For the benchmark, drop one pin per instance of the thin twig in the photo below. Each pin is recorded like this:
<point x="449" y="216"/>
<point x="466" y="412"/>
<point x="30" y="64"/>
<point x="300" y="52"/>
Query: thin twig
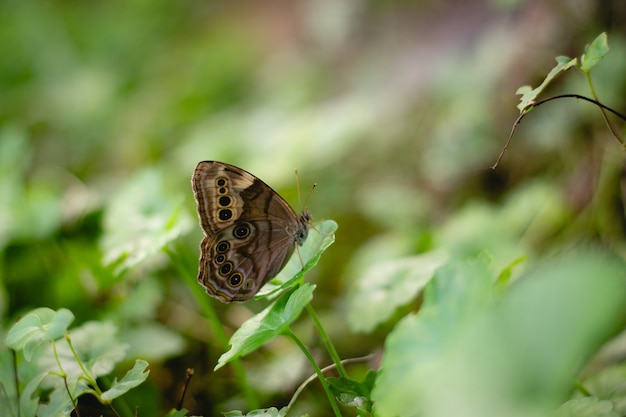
<point x="74" y="404"/>
<point x="188" y="376"/>
<point x="540" y="102"/>
<point x="113" y="410"/>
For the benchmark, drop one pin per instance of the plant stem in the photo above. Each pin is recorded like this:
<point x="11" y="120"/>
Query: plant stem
<point x="327" y="342"/>
<point x="318" y="371"/>
<point x="85" y="374"/>
<point x="63" y="373"/>
<point x="240" y="373"/>
<point x="604" y="116"/>
<point x="57" y="359"/>
<point x="295" y="395"/>
<point x="582" y="389"/>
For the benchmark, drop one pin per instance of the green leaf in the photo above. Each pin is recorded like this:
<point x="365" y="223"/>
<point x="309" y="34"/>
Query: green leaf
<point x="177" y="413"/>
<point x="458" y="291"/>
<point x="59" y="404"/>
<point x="31" y="207"/>
<point x="594" y="53"/>
<point x="153" y="341"/>
<point x="468" y="355"/>
<point x="59" y="324"/>
<point x="96" y="345"/>
<point x="29" y="400"/>
<point x="354" y="393"/>
<point x="507" y="272"/>
<point x="321" y="236"/>
<point x="30" y="328"/>
<point x="38" y="328"/>
<point x="529" y="95"/>
<point x="535" y="208"/>
<point x="387" y="286"/>
<point x="140" y="220"/>
<point x="133" y="378"/>
<point x="268" y="324"/>
<point x="265" y="412"/>
<point x="142" y="303"/>
<point x="608" y="382"/>
<point x="588" y="407"/>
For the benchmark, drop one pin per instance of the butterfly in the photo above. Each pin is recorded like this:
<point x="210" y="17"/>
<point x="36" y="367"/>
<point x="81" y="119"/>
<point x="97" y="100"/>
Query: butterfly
<point x="250" y="231"/>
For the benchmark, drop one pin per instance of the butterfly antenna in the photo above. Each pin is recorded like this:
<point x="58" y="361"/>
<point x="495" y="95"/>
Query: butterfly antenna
<point x="308" y="196"/>
<point x="298" y="187"/>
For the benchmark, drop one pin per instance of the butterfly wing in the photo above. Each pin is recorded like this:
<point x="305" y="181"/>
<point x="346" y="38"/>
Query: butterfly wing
<point x="250" y="231"/>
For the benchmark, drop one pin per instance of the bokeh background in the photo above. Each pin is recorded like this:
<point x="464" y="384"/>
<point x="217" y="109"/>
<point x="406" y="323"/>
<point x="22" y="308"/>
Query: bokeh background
<point x="396" y="109"/>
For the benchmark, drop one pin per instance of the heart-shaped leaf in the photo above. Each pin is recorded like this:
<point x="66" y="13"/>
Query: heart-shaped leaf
<point x="38" y="328"/>
<point x="268" y="324"/>
<point x="133" y="378"/>
<point x="473" y="351"/>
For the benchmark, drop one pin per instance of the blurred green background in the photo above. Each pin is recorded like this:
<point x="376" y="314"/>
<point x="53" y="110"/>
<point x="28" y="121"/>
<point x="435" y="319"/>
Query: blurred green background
<point x="396" y="109"/>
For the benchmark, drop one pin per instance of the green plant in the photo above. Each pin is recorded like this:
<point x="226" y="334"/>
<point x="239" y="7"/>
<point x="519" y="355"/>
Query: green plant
<point x="594" y="53"/>
<point x="292" y="296"/>
<point x="475" y="321"/>
<point x="65" y="364"/>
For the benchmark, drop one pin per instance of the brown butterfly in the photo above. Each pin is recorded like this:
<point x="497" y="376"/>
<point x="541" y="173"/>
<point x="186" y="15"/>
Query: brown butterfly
<point x="250" y="231"/>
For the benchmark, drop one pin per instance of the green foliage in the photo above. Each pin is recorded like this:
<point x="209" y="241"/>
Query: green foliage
<point x="588" y="407"/>
<point x="30" y="209"/>
<point x="133" y="378"/>
<point x="605" y="386"/>
<point x="594" y="53"/>
<point x="306" y="257"/>
<point x="354" y="393"/>
<point x="526" y="346"/>
<point x="177" y="413"/>
<point x="529" y="94"/>
<point x="37" y="328"/>
<point x="387" y="286"/>
<point x="268" y="324"/>
<point x="462" y="279"/>
<point x="67" y="362"/>
<point x="140" y="221"/>
<point x="592" y="56"/>
<point x="267" y="412"/>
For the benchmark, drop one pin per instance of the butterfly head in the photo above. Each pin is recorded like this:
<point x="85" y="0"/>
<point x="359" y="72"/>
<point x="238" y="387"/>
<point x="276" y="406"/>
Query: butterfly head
<point x="304" y="221"/>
